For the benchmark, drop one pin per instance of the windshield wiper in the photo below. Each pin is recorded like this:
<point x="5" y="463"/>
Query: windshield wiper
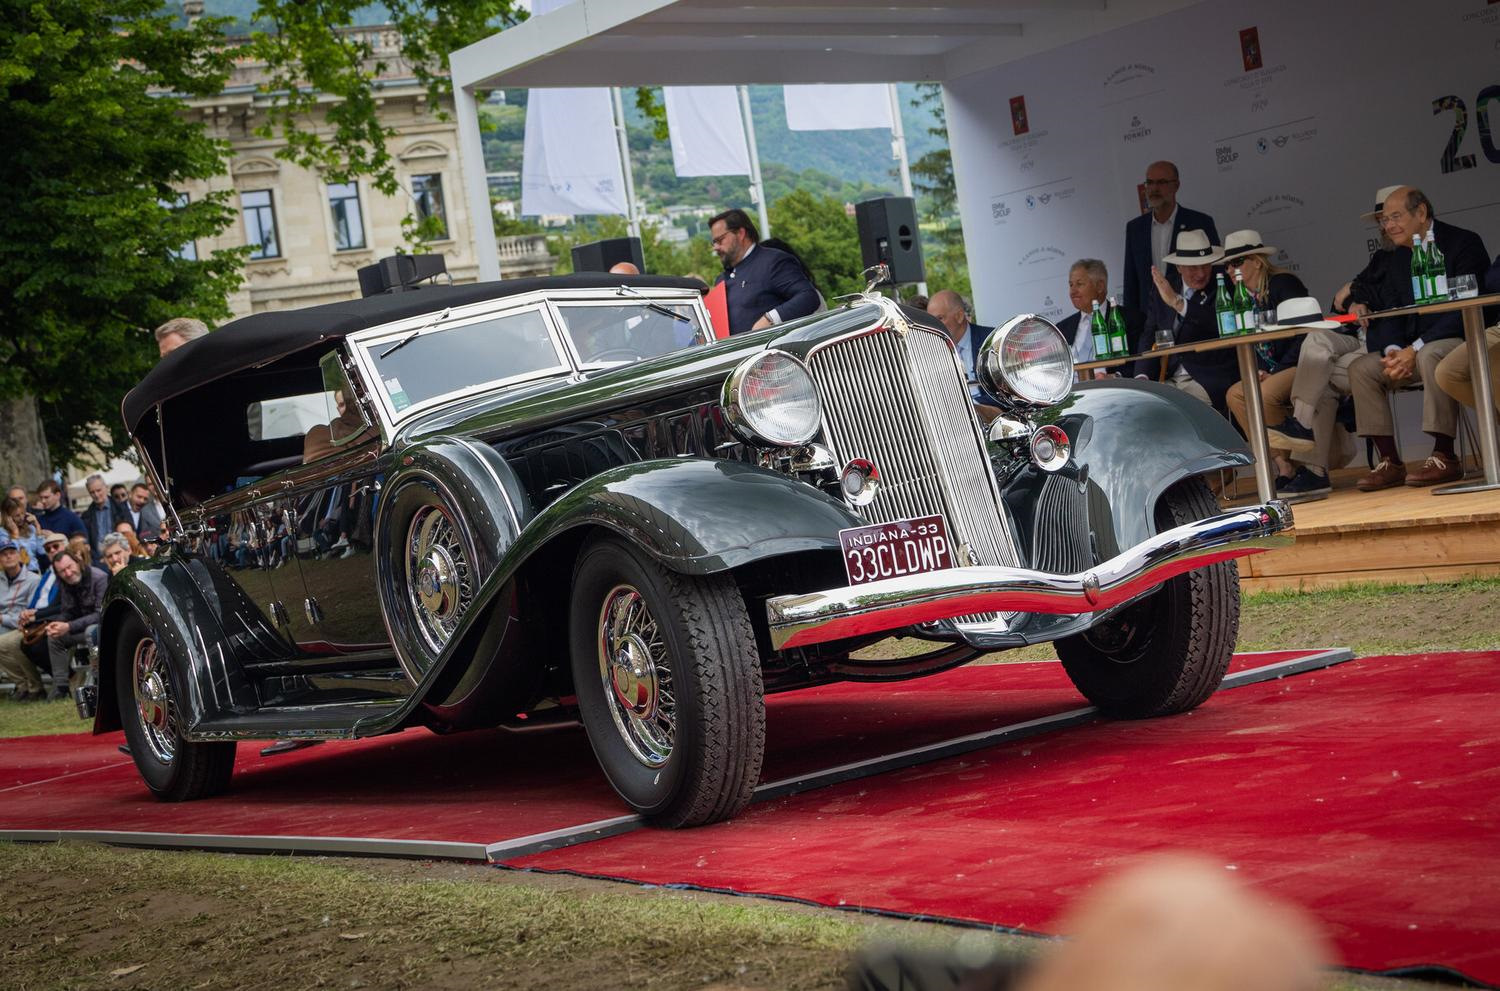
<point x="413" y="335"/>
<point x="651" y="304"/>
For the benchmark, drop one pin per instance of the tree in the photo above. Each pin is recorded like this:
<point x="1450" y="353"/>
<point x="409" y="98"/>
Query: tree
<point x="824" y="237"/>
<point x="307" y="64"/>
<point x="942" y="232"/>
<point x="91" y="238"/>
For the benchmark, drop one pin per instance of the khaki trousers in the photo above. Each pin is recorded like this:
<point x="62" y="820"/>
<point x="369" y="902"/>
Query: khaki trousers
<point x="16" y="665"/>
<point x="1322" y="365"/>
<point x="1192" y="388"/>
<point x="1371" y="389"/>
<point x="1453" y="375"/>
<point x="1333" y="444"/>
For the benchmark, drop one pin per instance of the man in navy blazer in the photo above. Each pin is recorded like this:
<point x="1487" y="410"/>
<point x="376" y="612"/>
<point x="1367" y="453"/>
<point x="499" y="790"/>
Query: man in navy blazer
<point x="952" y="312"/>
<point x="1152" y="236"/>
<point x="762" y="286"/>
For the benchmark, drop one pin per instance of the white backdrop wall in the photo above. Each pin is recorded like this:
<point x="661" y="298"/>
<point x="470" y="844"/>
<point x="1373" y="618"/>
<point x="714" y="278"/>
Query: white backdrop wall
<point x="1282" y="116"/>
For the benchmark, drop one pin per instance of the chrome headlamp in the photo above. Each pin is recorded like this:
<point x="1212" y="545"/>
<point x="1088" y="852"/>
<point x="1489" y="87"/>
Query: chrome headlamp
<point x="1028" y="360"/>
<point x="770" y="400"/>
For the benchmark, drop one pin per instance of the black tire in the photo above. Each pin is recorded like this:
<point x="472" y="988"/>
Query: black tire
<point x="1167" y="653"/>
<point x="175" y="769"/>
<point x="689" y="751"/>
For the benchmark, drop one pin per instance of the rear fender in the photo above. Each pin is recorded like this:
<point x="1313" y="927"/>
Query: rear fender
<point x="204" y="620"/>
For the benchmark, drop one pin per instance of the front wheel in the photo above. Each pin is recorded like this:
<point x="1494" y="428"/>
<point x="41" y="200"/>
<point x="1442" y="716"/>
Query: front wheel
<point x="668" y="684"/>
<point x="176" y="770"/>
<point x="1168" y="652"/>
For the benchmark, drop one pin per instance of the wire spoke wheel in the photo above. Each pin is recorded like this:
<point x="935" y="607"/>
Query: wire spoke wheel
<point x="439" y="575"/>
<point x="153" y="701"/>
<point x="668" y="684"/>
<point x="637" y="676"/>
<point x="149" y="672"/>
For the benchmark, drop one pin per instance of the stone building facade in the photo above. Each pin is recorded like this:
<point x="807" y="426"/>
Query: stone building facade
<point x="311" y="236"/>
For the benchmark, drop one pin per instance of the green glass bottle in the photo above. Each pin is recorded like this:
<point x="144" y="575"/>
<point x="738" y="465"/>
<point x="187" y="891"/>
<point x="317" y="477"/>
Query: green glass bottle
<point x="1119" y="336"/>
<point x="1244" y="306"/>
<point x="1224" y="308"/>
<point x="1437" y="268"/>
<point x="1100" y="329"/>
<point x="1418" y="271"/>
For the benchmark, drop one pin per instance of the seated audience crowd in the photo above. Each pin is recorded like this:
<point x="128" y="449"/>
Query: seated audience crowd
<point x="56" y="565"/>
<point x="1318" y="388"/>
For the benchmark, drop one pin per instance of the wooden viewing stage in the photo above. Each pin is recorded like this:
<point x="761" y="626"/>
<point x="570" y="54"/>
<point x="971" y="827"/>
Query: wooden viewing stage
<point x="1400" y="535"/>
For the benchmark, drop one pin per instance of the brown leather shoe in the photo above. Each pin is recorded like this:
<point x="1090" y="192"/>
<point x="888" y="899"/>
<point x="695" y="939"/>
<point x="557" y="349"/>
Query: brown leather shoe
<point x="1437" y="468"/>
<point x="1386" y="474"/>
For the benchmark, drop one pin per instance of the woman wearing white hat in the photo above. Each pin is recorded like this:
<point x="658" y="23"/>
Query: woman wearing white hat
<point x="1271" y="285"/>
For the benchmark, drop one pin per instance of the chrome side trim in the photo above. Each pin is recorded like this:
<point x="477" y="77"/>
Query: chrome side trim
<point x="838" y="613"/>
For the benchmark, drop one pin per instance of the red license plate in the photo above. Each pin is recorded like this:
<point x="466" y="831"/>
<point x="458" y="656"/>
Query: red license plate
<point x="890" y="550"/>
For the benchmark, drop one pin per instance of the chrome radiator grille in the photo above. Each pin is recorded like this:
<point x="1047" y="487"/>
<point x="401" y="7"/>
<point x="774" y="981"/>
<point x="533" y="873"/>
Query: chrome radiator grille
<point x="900" y="402"/>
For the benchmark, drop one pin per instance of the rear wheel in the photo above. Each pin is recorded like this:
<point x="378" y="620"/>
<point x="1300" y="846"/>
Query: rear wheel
<point x="1169" y="652"/>
<point x="176" y="770"/>
<point x="668" y="684"/>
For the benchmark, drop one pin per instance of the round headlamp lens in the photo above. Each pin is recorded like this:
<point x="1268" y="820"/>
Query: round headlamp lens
<point x="770" y="399"/>
<point x="1028" y="359"/>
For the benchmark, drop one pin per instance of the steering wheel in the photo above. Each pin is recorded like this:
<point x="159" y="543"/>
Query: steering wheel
<point x="616" y="354"/>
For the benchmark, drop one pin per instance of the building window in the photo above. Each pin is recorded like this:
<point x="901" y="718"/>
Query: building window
<point x="348" y="222"/>
<point x="189" y="251"/>
<point x="427" y="190"/>
<point x="260" y="224"/>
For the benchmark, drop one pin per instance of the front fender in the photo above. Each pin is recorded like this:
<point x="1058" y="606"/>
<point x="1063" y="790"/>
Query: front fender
<point x="1132" y="440"/>
<point x="696" y="516"/>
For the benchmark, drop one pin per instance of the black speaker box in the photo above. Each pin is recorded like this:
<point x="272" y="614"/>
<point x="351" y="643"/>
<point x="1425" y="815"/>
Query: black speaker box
<point x="888" y="233"/>
<point x="601" y="256"/>
<point x="396" y="273"/>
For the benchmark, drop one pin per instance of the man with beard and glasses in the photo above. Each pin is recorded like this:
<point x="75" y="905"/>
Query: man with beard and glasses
<point x="762" y="286"/>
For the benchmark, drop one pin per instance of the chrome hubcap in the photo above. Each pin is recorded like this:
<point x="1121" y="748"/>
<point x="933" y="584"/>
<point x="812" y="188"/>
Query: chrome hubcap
<point x="437" y="574"/>
<point x="636" y="676"/>
<point x="153" y="701"/>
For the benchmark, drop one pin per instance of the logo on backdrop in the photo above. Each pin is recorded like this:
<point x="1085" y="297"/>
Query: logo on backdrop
<point x="1040" y="256"/>
<point x="1135" y="70"/>
<point x="1276" y="205"/>
<point x="1137" y="130"/>
<point x="999" y="211"/>
<point x="1225" y="156"/>
<point x="1250" y="49"/>
<point x="1050" y="310"/>
<point x="1018" y="121"/>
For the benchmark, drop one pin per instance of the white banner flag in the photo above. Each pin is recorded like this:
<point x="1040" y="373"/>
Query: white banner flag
<point x="570" y="162"/>
<point x="708" y="133"/>
<point x="837" y="107"/>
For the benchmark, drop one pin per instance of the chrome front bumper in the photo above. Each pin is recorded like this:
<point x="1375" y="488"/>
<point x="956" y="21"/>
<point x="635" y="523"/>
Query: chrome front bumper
<point x="856" y="610"/>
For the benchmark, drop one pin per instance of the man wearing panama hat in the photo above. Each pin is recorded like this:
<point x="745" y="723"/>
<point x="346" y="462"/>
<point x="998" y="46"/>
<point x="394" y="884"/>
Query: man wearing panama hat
<point x="1190" y="310"/>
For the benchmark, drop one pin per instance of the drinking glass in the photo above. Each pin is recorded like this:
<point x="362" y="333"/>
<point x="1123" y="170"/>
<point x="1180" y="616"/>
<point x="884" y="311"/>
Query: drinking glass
<point x="1163" y="338"/>
<point x="1463" y="287"/>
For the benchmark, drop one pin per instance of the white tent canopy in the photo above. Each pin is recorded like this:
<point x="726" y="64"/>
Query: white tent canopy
<point x="708" y="42"/>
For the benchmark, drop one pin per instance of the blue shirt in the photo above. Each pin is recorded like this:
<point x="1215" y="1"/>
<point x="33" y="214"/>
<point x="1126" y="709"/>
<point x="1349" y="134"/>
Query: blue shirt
<point x="62" y="520"/>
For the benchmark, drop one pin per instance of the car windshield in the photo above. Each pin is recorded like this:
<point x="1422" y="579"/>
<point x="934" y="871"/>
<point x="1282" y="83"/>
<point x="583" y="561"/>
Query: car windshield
<point x="433" y="360"/>
<point x="610" y="333"/>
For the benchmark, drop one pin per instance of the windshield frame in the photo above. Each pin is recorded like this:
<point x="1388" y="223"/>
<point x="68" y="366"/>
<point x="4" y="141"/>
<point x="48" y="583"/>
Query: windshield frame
<point x="364" y="345"/>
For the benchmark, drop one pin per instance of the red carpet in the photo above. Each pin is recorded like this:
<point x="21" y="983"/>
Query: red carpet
<point x="484" y="787"/>
<point x="1369" y="793"/>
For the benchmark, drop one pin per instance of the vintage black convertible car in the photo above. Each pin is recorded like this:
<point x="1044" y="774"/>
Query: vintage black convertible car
<point x="564" y="499"/>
